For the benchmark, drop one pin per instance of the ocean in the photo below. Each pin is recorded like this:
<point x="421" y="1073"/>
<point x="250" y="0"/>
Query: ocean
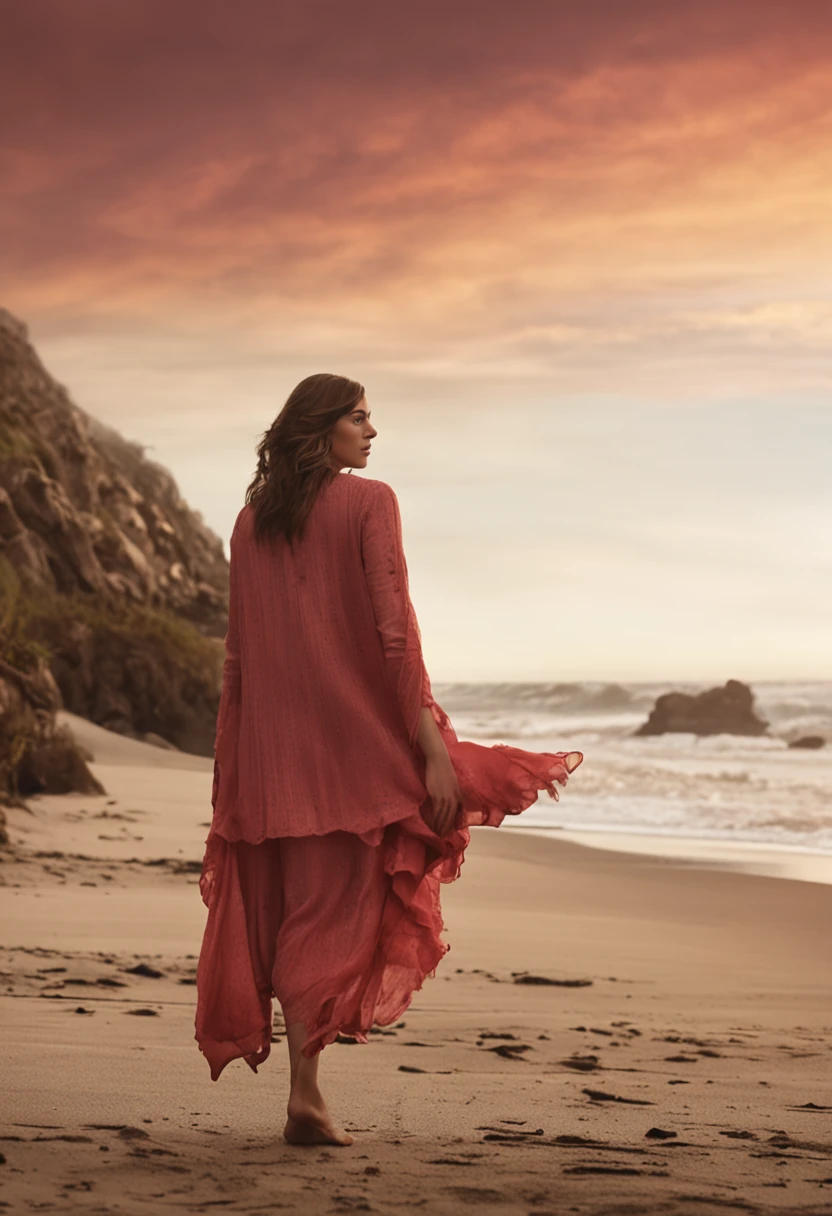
<point x="721" y="788"/>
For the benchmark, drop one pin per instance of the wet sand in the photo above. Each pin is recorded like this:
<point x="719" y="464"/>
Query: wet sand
<point x="777" y="860"/>
<point x="677" y="1058"/>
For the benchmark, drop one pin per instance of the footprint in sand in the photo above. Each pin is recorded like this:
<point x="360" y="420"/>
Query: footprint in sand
<point x="499" y="1136"/>
<point x="478" y="1195"/>
<point x="525" y="978"/>
<point x="587" y="1063"/>
<point x="598" y="1095"/>
<point x="629" y="1170"/>
<point x="510" y="1051"/>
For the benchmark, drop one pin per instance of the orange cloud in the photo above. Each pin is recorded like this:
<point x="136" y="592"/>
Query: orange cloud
<point x="486" y="187"/>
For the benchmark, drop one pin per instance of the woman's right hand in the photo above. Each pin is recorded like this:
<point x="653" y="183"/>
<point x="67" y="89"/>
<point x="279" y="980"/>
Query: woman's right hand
<point x="442" y="785"/>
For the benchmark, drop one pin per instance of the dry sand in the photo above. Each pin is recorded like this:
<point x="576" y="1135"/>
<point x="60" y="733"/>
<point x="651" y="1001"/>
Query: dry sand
<point x="681" y="1063"/>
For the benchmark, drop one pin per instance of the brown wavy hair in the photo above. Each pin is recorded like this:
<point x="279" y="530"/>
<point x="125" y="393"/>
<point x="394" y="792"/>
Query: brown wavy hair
<point x="292" y="456"/>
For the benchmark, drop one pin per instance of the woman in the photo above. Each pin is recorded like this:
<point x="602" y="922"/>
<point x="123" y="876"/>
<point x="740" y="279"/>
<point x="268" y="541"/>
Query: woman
<point x="342" y="797"/>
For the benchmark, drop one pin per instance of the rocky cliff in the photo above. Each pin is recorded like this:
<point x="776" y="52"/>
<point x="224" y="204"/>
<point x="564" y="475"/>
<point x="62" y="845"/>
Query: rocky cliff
<point x="110" y="585"/>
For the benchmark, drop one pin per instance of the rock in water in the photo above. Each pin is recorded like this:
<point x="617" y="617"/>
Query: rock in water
<point x="718" y="711"/>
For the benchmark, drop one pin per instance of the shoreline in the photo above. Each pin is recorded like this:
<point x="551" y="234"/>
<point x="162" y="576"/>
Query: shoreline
<point x="767" y="859"/>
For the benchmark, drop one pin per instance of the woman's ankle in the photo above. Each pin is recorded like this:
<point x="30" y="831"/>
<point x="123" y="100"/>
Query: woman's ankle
<point x="306" y="1097"/>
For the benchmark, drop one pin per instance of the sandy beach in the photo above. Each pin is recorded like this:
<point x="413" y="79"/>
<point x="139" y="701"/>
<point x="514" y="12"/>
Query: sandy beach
<point x="677" y="1058"/>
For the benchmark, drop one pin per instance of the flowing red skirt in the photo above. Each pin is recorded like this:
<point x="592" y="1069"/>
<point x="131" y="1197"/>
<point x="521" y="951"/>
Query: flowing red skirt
<point x="343" y="929"/>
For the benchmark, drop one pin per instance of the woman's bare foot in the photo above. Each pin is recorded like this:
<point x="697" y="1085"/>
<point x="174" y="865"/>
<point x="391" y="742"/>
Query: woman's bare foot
<point x="310" y="1122"/>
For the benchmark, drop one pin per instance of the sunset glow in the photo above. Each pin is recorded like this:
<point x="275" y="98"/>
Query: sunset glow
<point x="579" y="256"/>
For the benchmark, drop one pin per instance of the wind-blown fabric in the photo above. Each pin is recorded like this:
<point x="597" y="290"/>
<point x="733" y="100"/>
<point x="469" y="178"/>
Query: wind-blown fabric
<point x="316" y="750"/>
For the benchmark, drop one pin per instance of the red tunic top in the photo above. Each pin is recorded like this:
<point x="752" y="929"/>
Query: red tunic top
<point x="324" y="681"/>
<point x="323" y="677"/>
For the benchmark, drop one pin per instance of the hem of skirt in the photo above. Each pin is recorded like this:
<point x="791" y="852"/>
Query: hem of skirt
<point x="419" y="862"/>
<point x="321" y="1039"/>
<point x="254" y="1049"/>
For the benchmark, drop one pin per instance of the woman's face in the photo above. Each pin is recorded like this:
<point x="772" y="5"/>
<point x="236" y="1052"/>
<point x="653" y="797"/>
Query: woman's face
<point x="351" y="437"/>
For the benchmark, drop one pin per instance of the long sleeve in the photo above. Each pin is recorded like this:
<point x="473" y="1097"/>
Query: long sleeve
<point x="385" y="567"/>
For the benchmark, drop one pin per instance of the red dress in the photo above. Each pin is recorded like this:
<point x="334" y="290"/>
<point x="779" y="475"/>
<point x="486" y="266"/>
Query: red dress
<point x="320" y="874"/>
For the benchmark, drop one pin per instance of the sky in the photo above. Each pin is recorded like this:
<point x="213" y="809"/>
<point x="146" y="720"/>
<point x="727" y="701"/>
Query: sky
<point x="579" y="256"/>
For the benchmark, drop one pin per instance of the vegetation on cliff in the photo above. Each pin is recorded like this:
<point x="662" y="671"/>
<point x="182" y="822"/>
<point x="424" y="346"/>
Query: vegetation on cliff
<point x="113" y="592"/>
